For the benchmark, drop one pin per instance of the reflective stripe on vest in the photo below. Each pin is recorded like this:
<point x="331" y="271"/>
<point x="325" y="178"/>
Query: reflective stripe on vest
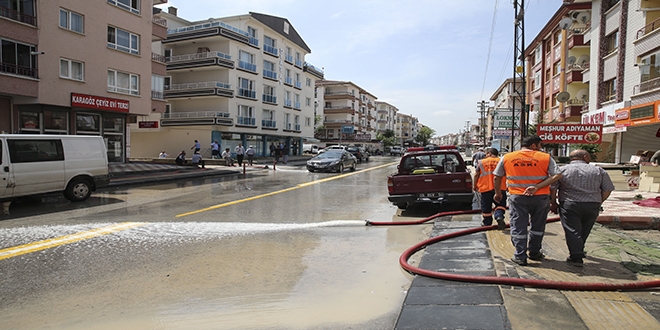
<point x="485" y="182"/>
<point x="526" y="168"/>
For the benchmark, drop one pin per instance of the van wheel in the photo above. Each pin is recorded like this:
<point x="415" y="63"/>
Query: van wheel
<point x="78" y="190"/>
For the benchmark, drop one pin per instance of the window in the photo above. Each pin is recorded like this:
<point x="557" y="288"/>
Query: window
<point x="308" y="82"/>
<point x="246" y="61"/>
<point x="296" y="122"/>
<point x="308" y="102"/>
<point x="536" y="84"/>
<point x="269" y="94"/>
<point x="297" y="82"/>
<point x="308" y="121"/>
<point x="296" y="101"/>
<point x="252" y="33"/>
<point x="157" y="87"/>
<point x="287" y="121"/>
<point x="19" y="10"/>
<point x="611" y="42"/>
<point x="269" y="70"/>
<point x="298" y="60"/>
<point x="88" y="123"/>
<point x="71" y="21"/>
<point x="30" y="151"/>
<point x="537" y="55"/>
<point x="269" y="45"/>
<point x="268" y="119"/>
<point x="123" y="40"/>
<point x="610" y="90"/>
<point x="287" y="77"/>
<point x="71" y="69"/>
<point x="650" y="67"/>
<point x="287" y="99"/>
<point x="124" y="83"/>
<point x="246" y="115"/>
<point x="17" y="58"/>
<point x="288" y="57"/>
<point x="246" y="88"/>
<point x="130" y="5"/>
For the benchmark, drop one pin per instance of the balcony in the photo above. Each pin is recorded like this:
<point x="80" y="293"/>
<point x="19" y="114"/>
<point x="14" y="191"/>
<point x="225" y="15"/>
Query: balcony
<point x="18" y="70"/>
<point x="297" y="84"/>
<point x="209" y="29"/>
<point x="247" y="66"/>
<point x="246" y="121"/>
<point x="18" y="16"/>
<point x="200" y="60"/>
<point x="339" y="109"/>
<point x="158" y="28"/>
<point x="270" y="74"/>
<point x="158" y="58"/>
<point x="296" y="105"/>
<point x="339" y="96"/>
<point x="647" y="86"/>
<point x="268" y="49"/>
<point x="298" y="63"/>
<point x="648" y="38"/>
<point x="648" y="28"/>
<point x="268" y="123"/>
<point x="247" y="93"/>
<point x="196" y="118"/>
<point x="288" y="58"/>
<point x="288" y="103"/>
<point x="288" y="81"/>
<point x="272" y="99"/>
<point x="199" y="89"/>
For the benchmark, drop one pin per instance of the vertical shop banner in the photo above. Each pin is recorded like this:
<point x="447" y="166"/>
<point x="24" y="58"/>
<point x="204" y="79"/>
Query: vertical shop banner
<point x="570" y="133"/>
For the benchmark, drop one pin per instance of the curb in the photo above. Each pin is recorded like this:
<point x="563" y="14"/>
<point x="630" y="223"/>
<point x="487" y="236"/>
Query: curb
<point x="629" y="222"/>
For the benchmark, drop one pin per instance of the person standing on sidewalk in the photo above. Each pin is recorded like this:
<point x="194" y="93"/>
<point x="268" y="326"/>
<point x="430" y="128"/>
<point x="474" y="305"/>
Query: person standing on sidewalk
<point x="240" y="152"/>
<point x="479" y="155"/>
<point x="528" y="172"/>
<point x="215" y="149"/>
<point x="484" y="185"/>
<point x="250" y="155"/>
<point x="582" y="190"/>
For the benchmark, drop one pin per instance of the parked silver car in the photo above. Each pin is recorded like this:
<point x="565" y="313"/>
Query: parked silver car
<point x="333" y="160"/>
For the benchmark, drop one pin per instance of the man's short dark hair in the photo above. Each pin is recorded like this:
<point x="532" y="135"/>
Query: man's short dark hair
<point x="532" y="139"/>
<point x="492" y="151"/>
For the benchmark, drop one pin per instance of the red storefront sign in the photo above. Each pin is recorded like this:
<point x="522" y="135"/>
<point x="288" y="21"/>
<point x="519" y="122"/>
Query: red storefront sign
<point x="98" y="102"/>
<point x="148" y="124"/>
<point x="570" y="133"/>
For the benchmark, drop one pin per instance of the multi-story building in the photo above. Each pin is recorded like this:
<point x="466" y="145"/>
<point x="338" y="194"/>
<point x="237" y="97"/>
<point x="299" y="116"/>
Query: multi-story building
<point x="406" y="129"/>
<point x="501" y="124"/>
<point x="349" y="113"/>
<point x="240" y="79"/>
<point x="79" y="67"/>
<point x="386" y="117"/>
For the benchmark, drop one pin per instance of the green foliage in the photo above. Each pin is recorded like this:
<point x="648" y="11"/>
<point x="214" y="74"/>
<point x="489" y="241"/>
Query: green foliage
<point x="592" y="149"/>
<point x="563" y="160"/>
<point x="424" y="135"/>
<point x="388" y="138"/>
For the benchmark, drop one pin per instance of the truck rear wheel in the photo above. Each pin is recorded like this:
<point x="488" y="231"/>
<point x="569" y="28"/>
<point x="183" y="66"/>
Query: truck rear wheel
<point x="402" y="206"/>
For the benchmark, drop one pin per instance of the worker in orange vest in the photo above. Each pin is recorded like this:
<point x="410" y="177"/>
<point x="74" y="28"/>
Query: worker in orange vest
<point x="529" y="173"/>
<point x="484" y="185"/>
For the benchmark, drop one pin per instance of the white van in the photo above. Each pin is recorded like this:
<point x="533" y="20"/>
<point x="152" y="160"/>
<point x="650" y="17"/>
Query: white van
<point x="310" y="148"/>
<point x="37" y="164"/>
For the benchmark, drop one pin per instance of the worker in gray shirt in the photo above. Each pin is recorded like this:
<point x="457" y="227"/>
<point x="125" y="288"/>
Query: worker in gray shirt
<point x="582" y="190"/>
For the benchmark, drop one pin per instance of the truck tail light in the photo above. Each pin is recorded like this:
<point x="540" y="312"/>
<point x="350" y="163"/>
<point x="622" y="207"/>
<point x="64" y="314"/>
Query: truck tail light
<point x="390" y="185"/>
<point x="468" y="180"/>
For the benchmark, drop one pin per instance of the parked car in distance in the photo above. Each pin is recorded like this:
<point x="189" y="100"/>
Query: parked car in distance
<point x="396" y="151"/>
<point x="332" y="161"/>
<point x="310" y="149"/>
<point x="360" y="153"/>
<point x="332" y="147"/>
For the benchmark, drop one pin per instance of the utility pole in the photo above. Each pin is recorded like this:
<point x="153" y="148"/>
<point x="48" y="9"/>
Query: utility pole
<point x="519" y="89"/>
<point x="467" y="134"/>
<point x="482" y="123"/>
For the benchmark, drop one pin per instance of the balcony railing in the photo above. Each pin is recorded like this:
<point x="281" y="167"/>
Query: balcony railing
<point x="247" y="93"/>
<point x="287" y="103"/>
<point x="270" y="50"/>
<point x="268" y="123"/>
<point x="198" y="114"/>
<point x="338" y="93"/>
<point x="269" y="98"/>
<point x="158" y="58"/>
<point x="197" y="56"/>
<point x="249" y="121"/>
<point x="254" y="41"/>
<point x="296" y="105"/>
<point x="160" y="21"/>
<point x="247" y="66"/>
<point x="199" y="85"/>
<point x="18" y="16"/>
<point x="288" y="80"/>
<point x="296" y="127"/>
<point x="297" y="84"/>
<point x="288" y="58"/>
<point x="18" y="70"/>
<point x="648" y="28"/>
<point x="270" y="74"/>
<point x="158" y="95"/>
<point x="206" y="26"/>
<point x="647" y="86"/>
<point x="299" y="63"/>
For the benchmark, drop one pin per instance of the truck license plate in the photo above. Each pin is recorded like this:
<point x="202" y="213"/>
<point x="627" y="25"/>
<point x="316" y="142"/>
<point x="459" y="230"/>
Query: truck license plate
<point x="433" y="194"/>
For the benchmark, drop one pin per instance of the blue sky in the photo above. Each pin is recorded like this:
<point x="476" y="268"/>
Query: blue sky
<point x="426" y="57"/>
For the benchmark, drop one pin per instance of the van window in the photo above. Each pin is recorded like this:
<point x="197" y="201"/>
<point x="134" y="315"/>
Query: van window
<point x="29" y="151"/>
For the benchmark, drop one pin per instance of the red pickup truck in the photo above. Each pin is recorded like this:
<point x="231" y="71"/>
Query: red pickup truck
<point x="436" y="175"/>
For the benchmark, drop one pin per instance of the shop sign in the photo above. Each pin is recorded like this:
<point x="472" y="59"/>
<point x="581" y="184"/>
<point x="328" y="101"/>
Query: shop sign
<point x="148" y="124"/>
<point x="570" y="133"/>
<point x="614" y="129"/>
<point x="502" y="134"/>
<point x="621" y="114"/>
<point x="502" y="118"/>
<point x="602" y="117"/>
<point x="98" y="102"/>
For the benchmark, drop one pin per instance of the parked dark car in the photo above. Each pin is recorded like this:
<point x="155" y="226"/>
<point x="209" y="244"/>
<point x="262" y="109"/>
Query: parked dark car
<point x="360" y="153"/>
<point x="333" y="160"/>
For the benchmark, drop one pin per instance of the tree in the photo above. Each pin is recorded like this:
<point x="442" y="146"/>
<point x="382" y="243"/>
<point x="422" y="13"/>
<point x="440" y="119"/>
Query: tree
<point x="387" y="138"/>
<point x="424" y="135"/>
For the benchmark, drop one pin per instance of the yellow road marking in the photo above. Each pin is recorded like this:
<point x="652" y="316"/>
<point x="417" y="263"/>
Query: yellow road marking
<point x="57" y="241"/>
<point x="302" y="185"/>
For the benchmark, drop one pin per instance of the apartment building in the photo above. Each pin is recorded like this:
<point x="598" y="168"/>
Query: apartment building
<point x="78" y="67"/>
<point x="386" y="117"/>
<point x="500" y="121"/>
<point x="240" y="79"/>
<point x="349" y="113"/>
<point x="406" y="129"/>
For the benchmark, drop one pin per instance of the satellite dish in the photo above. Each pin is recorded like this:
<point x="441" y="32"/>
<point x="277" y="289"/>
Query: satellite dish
<point x="565" y="23"/>
<point x="571" y="60"/>
<point x="583" y="60"/>
<point x="583" y="94"/>
<point x="583" y="17"/>
<point x="563" y="97"/>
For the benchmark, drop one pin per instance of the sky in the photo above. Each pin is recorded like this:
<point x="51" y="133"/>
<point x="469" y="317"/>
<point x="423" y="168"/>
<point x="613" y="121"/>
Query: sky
<point x="428" y="58"/>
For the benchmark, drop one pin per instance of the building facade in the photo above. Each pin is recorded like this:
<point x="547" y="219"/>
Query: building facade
<point x="79" y="67"/>
<point x="240" y="79"/>
<point x="386" y="117"/>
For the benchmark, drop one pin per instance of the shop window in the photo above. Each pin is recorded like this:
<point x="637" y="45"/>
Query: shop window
<point x="55" y="122"/>
<point x="113" y="124"/>
<point x="29" y="122"/>
<point x="88" y="123"/>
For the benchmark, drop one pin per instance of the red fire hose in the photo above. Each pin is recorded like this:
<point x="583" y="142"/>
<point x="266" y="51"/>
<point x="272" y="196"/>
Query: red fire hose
<point x="574" y="286"/>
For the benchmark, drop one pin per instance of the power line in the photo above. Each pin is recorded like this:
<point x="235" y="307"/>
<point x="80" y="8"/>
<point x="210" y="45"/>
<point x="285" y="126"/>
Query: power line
<point x="490" y="46"/>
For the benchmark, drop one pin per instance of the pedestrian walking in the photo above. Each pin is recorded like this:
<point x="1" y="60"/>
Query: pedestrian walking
<point x="250" y="152"/>
<point x="582" y="190"/>
<point x="479" y="155"/>
<point x="485" y="186"/>
<point x="215" y="149"/>
<point x="528" y="172"/>
<point x="196" y="146"/>
<point x="272" y="149"/>
<point x="240" y="153"/>
<point x="278" y="152"/>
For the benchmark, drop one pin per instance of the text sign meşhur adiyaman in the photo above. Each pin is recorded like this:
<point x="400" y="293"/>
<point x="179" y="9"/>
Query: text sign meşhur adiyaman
<point x="570" y="133"/>
<point x="98" y="102"/>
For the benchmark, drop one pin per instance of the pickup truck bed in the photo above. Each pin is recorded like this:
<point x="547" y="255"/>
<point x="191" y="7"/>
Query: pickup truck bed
<point x="437" y="176"/>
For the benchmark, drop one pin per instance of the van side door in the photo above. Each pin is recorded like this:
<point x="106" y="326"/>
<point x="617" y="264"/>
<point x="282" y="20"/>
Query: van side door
<point x="6" y="185"/>
<point x="38" y="165"/>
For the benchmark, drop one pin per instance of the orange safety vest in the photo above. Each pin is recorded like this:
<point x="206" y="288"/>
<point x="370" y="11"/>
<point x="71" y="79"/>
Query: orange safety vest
<point x="526" y="168"/>
<point x="485" y="181"/>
